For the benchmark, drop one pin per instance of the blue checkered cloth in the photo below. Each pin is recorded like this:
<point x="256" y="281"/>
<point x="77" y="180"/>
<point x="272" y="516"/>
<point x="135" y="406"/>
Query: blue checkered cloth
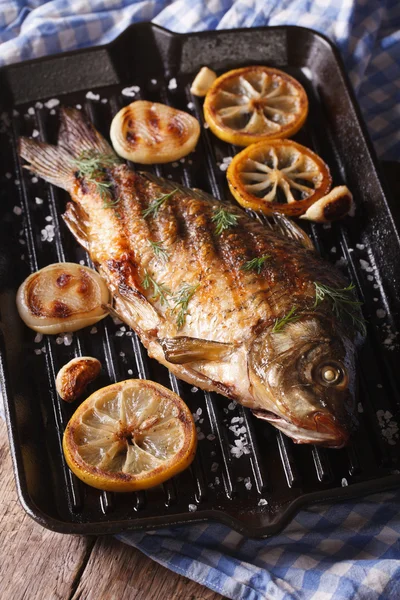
<point x="343" y="552"/>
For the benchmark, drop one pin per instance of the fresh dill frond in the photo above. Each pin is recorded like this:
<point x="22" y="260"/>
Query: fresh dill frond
<point x="223" y="220"/>
<point x="156" y="204"/>
<point x="160" y="290"/>
<point x="345" y="306"/>
<point x="90" y="162"/>
<point x="93" y="166"/>
<point x="256" y="264"/>
<point x="291" y="317"/>
<point x="159" y="251"/>
<point x="182" y="299"/>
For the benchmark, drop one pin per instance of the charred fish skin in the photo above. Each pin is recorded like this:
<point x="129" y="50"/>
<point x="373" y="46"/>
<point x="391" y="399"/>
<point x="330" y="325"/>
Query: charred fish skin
<point x="225" y="303"/>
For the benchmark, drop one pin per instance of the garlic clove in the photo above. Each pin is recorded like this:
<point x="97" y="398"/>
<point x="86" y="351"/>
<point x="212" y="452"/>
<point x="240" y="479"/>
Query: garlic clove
<point x="203" y="81"/>
<point x="72" y="378"/>
<point x="335" y="205"/>
<point x="150" y="132"/>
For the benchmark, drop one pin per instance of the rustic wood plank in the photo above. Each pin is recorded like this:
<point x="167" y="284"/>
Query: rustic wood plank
<point x="35" y="564"/>
<point x="116" y="570"/>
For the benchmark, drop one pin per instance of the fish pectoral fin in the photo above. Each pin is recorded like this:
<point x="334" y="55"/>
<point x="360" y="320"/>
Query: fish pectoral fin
<point x="289" y="229"/>
<point x="183" y="349"/>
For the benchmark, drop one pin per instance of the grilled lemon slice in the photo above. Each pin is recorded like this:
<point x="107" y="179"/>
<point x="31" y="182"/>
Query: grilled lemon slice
<point x="278" y="176"/>
<point x="130" y="436"/>
<point x="251" y="104"/>
<point x="149" y="132"/>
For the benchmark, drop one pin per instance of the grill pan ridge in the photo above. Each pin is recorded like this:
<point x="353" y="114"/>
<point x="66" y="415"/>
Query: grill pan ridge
<point x="259" y="492"/>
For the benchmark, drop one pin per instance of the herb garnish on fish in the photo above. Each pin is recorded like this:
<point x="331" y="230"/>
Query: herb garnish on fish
<point x="291" y="317"/>
<point x="182" y="300"/>
<point x="344" y="304"/>
<point x="224" y="220"/>
<point x="159" y="251"/>
<point x="92" y="167"/>
<point x="160" y="290"/>
<point x="156" y="204"/>
<point x="256" y="264"/>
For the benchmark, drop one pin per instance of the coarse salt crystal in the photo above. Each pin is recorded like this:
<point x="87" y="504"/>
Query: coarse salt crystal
<point x="38" y="338"/>
<point x="37" y="351"/>
<point x="49" y="218"/>
<point x="223" y="167"/>
<point x="31" y="111"/>
<point x="79" y="106"/>
<point x="214" y="467"/>
<point x="190" y="105"/>
<point x="92" y="96"/>
<point x="104" y="100"/>
<point x="192" y="507"/>
<point x="52" y="103"/>
<point x="360" y="246"/>
<point x="344" y="482"/>
<point x="199" y="411"/>
<point x="35" y="133"/>
<point x="39" y="105"/>
<point x="200" y="436"/>
<point x="232" y="405"/>
<point x="130" y="372"/>
<point x="47" y="233"/>
<point x="175" y="164"/>
<point x="153" y="81"/>
<point x="365" y="265"/>
<point x="172" y="85"/>
<point x="130" y="91"/>
<point x="17" y="210"/>
<point x="119" y="333"/>
<point x="211" y="437"/>
<point x="333" y="249"/>
<point x="370" y="277"/>
<point x="380" y="313"/>
<point x="262" y="502"/>
<point x="248" y="485"/>
<point x="360" y="408"/>
<point x="206" y="125"/>
<point x="38" y="201"/>
<point x="93" y="330"/>
<point x="8" y="175"/>
<point x="34" y="180"/>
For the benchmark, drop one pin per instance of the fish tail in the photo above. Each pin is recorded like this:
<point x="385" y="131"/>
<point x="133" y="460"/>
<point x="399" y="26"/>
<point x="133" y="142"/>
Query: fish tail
<point x="57" y="164"/>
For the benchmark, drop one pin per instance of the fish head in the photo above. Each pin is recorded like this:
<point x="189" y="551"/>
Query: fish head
<point x="303" y="380"/>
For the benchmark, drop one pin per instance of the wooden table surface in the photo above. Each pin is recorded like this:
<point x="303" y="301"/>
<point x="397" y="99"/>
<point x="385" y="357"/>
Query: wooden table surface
<point x="37" y="564"/>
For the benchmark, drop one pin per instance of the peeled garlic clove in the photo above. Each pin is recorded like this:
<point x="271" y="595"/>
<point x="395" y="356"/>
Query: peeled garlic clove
<point x="150" y="132"/>
<point x="203" y="81"/>
<point x="72" y="378"/>
<point x="62" y="297"/>
<point x="335" y="205"/>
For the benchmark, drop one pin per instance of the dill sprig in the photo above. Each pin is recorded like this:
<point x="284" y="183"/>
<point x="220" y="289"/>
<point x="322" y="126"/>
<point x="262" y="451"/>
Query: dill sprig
<point x="160" y="290"/>
<point x="156" y="204"/>
<point x="345" y="306"/>
<point x="291" y="317"/>
<point x="224" y="219"/>
<point x="182" y="299"/>
<point x="256" y="264"/>
<point x="92" y="166"/>
<point x="159" y="251"/>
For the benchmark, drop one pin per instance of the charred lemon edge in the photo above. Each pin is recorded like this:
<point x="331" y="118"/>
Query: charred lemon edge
<point x="123" y="482"/>
<point x="247" y="200"/>
<point x="233" y="136"/>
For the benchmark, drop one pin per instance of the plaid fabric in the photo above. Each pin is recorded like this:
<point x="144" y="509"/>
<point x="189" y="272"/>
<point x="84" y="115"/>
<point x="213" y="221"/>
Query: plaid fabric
<point x="366" y="31"/>
<point x="343" y="552"/>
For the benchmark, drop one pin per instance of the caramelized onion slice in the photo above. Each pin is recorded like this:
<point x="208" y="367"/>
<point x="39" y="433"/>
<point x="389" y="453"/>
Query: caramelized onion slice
<point x="149" y="132"/>
<point x="62" y="297"/>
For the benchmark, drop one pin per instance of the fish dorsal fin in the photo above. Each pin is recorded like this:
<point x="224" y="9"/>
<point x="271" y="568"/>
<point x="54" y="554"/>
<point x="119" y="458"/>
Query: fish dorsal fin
<point x="184" y="349"/>
<point x="168" y="185"/>
<point x="289" y="229"/>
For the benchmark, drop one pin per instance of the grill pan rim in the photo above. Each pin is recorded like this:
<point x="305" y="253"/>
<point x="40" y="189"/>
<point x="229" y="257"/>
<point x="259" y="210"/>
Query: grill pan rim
<point x="289" y="510"/>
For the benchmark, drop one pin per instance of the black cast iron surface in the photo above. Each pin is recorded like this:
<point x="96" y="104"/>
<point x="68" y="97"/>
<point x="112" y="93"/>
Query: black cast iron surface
<point x="258" y="492"/>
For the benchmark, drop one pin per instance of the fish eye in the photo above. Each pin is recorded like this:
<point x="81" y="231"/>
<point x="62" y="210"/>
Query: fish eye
<point x="332" y="374"/>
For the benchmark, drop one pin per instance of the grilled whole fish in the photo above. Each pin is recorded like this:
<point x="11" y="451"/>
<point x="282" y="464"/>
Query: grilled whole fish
<point x="183" y="275"/>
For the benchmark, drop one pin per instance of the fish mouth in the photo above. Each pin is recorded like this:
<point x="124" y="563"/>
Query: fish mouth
<point x="327" y="432"/>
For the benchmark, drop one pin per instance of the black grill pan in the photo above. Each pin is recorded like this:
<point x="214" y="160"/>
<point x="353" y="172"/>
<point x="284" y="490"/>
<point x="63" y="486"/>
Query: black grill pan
<point x="261" y="490"/>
